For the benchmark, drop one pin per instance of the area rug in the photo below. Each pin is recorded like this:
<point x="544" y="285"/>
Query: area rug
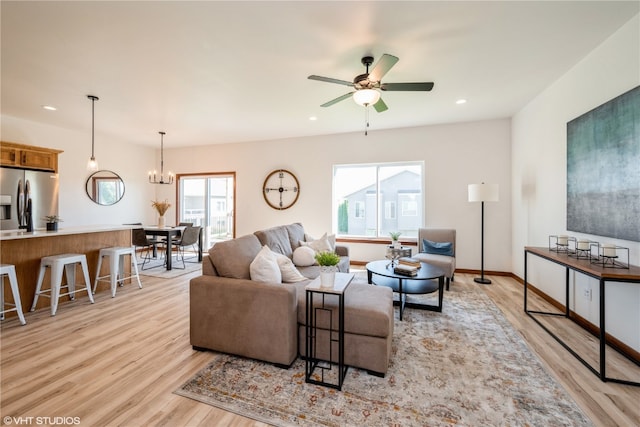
<point x="465" y="366"/>
<point x="157" y="269"/>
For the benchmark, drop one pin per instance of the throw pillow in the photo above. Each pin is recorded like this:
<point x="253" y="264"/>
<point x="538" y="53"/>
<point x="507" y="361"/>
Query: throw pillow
<point x="319" y="245"/>
<point x="331" y="238"/>
<point x="304" y="256"/>
<point x="290" y="273"/>
<point x="264" y="267"/>
<point x="437" y="248"/>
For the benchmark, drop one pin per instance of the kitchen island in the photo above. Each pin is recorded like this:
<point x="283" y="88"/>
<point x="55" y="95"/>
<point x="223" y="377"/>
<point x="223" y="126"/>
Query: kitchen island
<point x="25" y="249"/>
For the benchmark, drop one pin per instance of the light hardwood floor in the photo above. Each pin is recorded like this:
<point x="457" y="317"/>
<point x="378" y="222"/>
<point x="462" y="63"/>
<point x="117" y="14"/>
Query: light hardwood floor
<point x="117" y="362"/>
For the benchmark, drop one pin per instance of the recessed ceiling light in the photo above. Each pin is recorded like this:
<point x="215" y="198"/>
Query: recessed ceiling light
<point x="312" y="118"/>
<point x="461" y="101"/>
<point x="49" y="107"/>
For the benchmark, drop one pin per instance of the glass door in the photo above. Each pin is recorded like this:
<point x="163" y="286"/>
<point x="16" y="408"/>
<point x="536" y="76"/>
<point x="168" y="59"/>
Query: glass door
<point x="208" y="200"/>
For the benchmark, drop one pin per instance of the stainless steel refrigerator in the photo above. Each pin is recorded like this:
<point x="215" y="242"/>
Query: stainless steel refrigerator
<point x="23" y="190"/>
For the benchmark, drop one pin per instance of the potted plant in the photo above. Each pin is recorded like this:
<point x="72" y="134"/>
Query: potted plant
<point x="395" y="235"/>
<point x="327" y="262"/>
<point x="161" y="208"/>
<point x="52" y="222"/>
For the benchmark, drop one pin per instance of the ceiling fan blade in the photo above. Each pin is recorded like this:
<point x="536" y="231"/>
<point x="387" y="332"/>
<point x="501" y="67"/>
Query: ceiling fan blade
<point x="338" y="99"/>
<point x="380" y="106"/>
<point x="382" y="67"/>
<point x="330" y="80"/>
<point x="422" y="86"/>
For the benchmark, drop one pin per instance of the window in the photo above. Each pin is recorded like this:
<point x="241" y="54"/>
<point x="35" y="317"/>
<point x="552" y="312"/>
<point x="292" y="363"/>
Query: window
<point x="371" y="200"/>
<point x="208" y="200"/>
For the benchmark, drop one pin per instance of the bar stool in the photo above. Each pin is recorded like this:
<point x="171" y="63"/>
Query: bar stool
<point x="61" y="263"/>
<point x="116" y="267"/>
<point x="9" y="271"/>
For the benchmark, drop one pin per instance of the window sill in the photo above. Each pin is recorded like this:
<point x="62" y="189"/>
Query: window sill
<point x="375" y="240"/>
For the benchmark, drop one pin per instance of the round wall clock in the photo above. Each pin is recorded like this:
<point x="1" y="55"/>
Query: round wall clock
<point x="281" y="189"/>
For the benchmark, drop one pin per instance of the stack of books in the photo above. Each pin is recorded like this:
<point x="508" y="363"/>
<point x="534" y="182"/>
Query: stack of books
<point x="411" y="262"/>
<point x="405" y="270"/>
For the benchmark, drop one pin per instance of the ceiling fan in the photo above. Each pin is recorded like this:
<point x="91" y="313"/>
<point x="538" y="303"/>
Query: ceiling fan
<point x="366" y="84"/>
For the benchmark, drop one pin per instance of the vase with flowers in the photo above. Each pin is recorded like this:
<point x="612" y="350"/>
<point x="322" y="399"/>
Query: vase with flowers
<point x="161" y="208"/>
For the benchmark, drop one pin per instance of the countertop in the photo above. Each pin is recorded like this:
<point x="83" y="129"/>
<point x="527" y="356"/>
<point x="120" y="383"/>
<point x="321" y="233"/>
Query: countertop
<point x="62" y="231"/>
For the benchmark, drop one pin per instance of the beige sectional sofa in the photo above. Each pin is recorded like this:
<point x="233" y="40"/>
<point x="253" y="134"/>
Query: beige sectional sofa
<point x="233" y="314"/>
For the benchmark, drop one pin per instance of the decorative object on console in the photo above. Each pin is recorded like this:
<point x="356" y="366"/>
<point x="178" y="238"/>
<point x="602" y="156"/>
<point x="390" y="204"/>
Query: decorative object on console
<point x="582" y="248"/>
<point x="609" y="255"/>
<point x="562" y="243"/>
<point x="161" y="208"/>
<point x="482" y="193"/>
<point x="92" y="164"/>
<point x="153" y="179"/>
<point x="327" y="261"/>
<point x="281" y="189"/>
<point x="52" y="222"/>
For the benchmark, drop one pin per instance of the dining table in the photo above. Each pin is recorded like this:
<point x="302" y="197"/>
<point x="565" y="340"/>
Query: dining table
<point x="170" y="233"/>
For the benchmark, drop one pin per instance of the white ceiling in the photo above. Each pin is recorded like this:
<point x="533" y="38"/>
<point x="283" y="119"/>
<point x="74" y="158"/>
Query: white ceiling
<point x="218" y="72"/>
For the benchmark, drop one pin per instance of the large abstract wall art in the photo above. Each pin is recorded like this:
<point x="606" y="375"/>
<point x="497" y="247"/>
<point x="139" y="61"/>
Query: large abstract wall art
<point x="603" y="169"/>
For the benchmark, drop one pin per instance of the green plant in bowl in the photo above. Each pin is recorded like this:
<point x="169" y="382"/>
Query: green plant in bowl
<point x="327" y="258"/>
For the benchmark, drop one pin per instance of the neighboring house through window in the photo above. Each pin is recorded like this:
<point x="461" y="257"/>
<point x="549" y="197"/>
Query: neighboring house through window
<point x="371" y="200"/>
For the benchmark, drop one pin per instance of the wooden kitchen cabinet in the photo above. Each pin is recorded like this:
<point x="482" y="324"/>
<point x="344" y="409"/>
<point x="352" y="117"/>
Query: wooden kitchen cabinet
<point x="29" y="157"/>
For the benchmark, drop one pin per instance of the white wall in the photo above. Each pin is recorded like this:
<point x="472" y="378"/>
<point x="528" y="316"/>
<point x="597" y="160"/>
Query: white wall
<point x="539" y="177"/>
<point x="131" y="162"/>
<point x="455" y="155"/>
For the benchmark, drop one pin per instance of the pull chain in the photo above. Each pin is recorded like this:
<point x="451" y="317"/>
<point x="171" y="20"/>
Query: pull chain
<point x="366" y="119"/>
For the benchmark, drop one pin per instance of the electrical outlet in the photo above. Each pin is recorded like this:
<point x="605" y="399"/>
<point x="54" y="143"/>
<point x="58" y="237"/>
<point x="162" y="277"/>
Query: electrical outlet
<point x="587" y="294"/>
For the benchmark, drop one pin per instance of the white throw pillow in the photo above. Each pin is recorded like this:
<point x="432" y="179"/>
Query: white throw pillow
<point x="264" y="267"/>
<point x="322" y="244"/>
<point x="304" y="256"/>
<point x="290" y="273"/>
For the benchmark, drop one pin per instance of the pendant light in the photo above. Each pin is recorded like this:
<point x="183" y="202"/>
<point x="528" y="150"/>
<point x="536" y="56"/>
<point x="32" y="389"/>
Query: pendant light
<point x="153" y="178"/>
<point x="92" y="164"/>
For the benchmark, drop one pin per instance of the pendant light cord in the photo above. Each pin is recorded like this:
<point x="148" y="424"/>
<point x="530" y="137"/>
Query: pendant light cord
<point x="93" y="99"/>
<point x="161" y="156"/>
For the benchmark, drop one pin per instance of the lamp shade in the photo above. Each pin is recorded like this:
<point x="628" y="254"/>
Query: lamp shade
<point x="366" y="97"/>
<point x="483" y="192"/>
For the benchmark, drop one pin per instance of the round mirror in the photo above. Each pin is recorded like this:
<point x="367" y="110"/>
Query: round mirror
<point x="105" y="187"/>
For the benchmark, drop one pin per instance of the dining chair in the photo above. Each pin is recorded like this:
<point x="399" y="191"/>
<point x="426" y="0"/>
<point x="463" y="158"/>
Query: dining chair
<point x="139" y="239"/>
<point x="189" y="237"/>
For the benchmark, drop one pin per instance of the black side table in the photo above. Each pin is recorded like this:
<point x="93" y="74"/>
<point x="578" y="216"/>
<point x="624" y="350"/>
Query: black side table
<point x="323" y="295"/>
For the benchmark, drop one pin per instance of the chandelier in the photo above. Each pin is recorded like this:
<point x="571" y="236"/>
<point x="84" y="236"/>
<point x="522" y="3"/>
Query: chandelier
<point x="153" y="177"/>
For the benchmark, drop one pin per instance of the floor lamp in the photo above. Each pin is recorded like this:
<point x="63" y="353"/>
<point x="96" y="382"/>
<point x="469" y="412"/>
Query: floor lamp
<point x="482" y="193"/>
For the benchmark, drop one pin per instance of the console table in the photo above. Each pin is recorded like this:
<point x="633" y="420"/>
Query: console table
<point x="597" y="271"/>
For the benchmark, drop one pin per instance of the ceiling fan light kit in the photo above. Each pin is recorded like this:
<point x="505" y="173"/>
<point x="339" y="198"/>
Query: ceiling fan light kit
<point x="368" y="85"/>
<point x="366" y="97"/>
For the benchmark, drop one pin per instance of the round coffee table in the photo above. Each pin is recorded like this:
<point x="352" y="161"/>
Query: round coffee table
<point x="422" y="283"/>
